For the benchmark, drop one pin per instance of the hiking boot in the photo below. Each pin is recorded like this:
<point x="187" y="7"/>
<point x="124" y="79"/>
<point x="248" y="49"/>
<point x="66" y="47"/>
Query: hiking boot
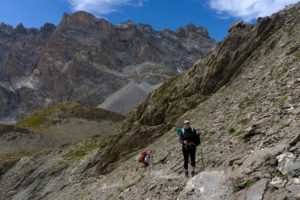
<point x="193" y="173"/>
<point x="186" y="173"/>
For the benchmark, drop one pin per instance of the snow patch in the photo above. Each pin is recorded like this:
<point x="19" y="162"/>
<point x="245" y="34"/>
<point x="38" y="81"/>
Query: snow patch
<point x="7" y="86"/>
<point x="19" y="83"/>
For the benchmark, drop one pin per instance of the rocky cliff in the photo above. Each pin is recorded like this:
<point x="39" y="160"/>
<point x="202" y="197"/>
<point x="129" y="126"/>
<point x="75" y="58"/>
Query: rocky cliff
<point x="243" y="97"/>
<point x="19" y="55"/>
<point x="86" y="60"/>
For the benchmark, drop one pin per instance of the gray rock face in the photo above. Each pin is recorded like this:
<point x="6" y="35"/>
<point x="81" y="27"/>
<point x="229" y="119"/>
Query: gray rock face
<point x="257" y="191"/>
<point x="208" y="185"/>
<point x="20" y="49"/>
<point x="285" y="162"/>
<point x="86" y="60"/>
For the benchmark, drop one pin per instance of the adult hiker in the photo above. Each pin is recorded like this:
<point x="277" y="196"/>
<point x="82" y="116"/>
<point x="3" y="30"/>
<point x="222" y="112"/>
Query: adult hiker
<point x="190" y="139"/>
<point x="145" y="158"/>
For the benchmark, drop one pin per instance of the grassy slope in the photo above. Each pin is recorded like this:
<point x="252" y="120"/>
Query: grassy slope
<point x="56" y="113"/>
<point x="58" y="124"/>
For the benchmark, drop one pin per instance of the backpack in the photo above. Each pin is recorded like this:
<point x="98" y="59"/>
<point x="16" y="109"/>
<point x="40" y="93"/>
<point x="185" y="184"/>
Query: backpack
<point x="143" y="156"/>
<point x="147" y="158"/>
<point x="195" y="137"/>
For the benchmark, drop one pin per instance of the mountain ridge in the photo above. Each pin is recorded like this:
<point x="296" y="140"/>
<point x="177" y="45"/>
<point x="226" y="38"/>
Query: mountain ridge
<point x="52" y="63"/>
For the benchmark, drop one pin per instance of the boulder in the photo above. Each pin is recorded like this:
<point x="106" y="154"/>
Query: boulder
<point x="285" y="162"/>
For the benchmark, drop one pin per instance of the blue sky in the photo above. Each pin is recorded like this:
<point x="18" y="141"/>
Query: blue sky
<point x="215" y="15"/>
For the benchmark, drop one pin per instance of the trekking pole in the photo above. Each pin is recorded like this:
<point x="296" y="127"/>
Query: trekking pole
<point x="202" y="154"/>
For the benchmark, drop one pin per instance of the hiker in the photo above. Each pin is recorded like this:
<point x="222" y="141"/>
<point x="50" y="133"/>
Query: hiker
<point x="145" y="159"/>
<point x="190" y="139"/>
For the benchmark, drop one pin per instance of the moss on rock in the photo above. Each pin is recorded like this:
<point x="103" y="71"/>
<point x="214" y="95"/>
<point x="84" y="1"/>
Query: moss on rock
<point x="15" y="156"/>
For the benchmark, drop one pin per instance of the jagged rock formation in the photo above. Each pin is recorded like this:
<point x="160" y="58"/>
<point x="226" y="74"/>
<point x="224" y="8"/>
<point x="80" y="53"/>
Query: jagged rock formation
<point x="85" y="60"/>
<point x="244" y="97"/>
<point x="19" y="53"/>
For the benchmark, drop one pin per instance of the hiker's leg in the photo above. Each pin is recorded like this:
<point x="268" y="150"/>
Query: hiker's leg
<point x="193" y="157"/>
<point x="185" y="156"/>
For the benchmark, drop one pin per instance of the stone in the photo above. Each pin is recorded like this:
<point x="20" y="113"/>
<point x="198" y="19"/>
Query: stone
<point x="254" y="161"/>
<point x="296" y="181"/>
<point x="285" y="161"/>
<point x="208" y="185"/>
<point x="256" y="192"/>
<point x="278" y="182"/>
<point x="256" y="128"/>
<point x="293" y="187"/>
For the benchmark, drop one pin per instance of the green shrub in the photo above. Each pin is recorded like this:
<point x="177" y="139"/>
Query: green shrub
<point x="231" y="131"/>
<point x="282" y="99"/>
<point x="297" y="55"/>
<point x="248" y="183"/>
<point x="279" y="174"/>
<point x="282" y="72"/>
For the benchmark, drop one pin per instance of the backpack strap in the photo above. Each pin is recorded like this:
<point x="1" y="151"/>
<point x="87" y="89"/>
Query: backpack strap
<point x="194" y="130"/>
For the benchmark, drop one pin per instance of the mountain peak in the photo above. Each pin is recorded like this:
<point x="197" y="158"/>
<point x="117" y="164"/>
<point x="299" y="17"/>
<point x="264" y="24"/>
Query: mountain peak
<point x="191" y="29"/>
<point x="48" y="27"/>
<point x="20" y="29"/>
<point x="80" y="18"/>
<point x="6" y="28"/>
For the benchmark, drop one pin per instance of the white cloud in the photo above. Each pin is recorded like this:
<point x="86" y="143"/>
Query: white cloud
<point x="102" y="7"/>
<point x="248" y="9"/>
